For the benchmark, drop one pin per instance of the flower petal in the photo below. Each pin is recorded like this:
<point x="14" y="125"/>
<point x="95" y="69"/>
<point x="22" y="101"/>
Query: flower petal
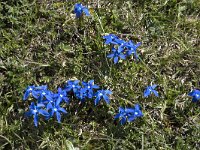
<point x="117" y="116"/>
<point x="58" y="116"/>
<point x="43" y="112"/>
<point x="147" y="93"/>
<point x="106" y="98"/>
<point x="123" y="121"/>
<point x="26" y="94"/>
<point x="116" y="59"/>
<point x="131" y="118"/>
<point x="62" y="110"/>
<point x="96" y="101"/>
<point x="110" y="55"/>
<point x="155" y="92"/>
<point x="35" y="118"/>
<point x="86" y="11"/>
<point x="122" y="56"/>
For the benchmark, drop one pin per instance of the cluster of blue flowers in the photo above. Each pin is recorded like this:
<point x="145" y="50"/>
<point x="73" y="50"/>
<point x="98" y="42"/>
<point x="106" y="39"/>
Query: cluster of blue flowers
<point x="88" y="90"/>
<point x="120" y="48"/>
<point x="48" y="103"/>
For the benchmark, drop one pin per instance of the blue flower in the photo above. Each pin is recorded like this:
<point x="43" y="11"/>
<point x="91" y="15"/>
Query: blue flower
<point x="102" y="94"/>
<point x="89" y="87"/>
<point x="61" y="96"/>
<point x="120" y="42"/>
<point x="41" y="92"/>
<point x="131" y="47"/>
<point x="135" y="113"/>
<point x="116" y="54"/>
<point x="81" y="94"/>
<point x="35" y="111"/>
<point x="79" y="9"/>
<point x="122" y="115"/>
<point x="129" y="114"/>
<point x="195" y="95"/>
<point x="110" y="39"/>
<point x="121" y="45"/>
<point x="29" y="90"/>
<point x="56" y="109"/>
<point x="149" y="90"/>
<point x="72" y="85"/>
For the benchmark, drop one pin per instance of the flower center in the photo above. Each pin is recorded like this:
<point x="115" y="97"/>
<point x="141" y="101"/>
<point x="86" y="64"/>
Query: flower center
<point x="79" y="8"/>
<point x="88" y="87"/>
<point x="136" y="113"/>
<point x="55" y="109"/>
<point x="61" y="95"/>
<point x="197" y="95"/>
<point x="73" y="85"/>
<point x="34" y="111"/>
<point x="100" y="94"/>
<point x="43" y="93"/>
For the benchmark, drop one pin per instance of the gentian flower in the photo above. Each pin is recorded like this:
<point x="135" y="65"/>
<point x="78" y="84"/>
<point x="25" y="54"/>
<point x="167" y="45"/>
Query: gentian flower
<point x="81" y="94"/>
<point x="110" y="39"/>
<point x="35" y="110"/>
<point x="149" y="90"/>
<point x="79" y="9"/>
<point x="120" y="42"/>
<point x="134" y="113"/>
<point x="121" y="45"/>
<point x="89" y="87"/>
<point x="72" y="85"/>
<point x="116" y="54"/>
<point x="56" y="109"/>
<point x="122" y="115"/>
<point x="132" y="48"/>
<point x="195" y="95"/>
<point x="61" y="96"/>
<point x="42" y="92"/>
<point x="102" y="94"/>
<point x="29" y="90"/>
<point x="129" y="114"/>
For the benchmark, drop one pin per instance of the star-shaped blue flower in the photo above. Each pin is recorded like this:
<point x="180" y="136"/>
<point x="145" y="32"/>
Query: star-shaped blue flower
<point x="102" y="94"/>
<point x="122" y="115"/>
<point x="35" y="110"/>
<point x="129" y="114"/>
<point x="116" y="54"/>
<point x="110" y="39"/>
<point x="79" y="9"/>
<point x="120" y="42"/>
<point x="43" y="92"/>
<point x="131" y="47"/>
<point x="81" y="94"/>
<point x="195" y="95"/>
<point x="89" y="88"/>
<point x="61" y="95"/>
<point x="56" y="109"/>
<point x="29" y="90"/>
<point x="72" y="85"/>
<point x="135" y="113"/>
<point x="149" y="90"/>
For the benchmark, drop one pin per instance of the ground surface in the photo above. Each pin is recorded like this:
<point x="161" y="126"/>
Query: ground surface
<point x="41" y="42"/>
